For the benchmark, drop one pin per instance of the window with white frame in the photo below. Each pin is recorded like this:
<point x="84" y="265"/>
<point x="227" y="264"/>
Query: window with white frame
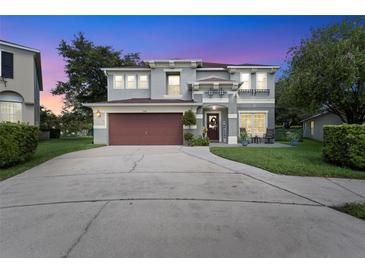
<point x="254" y="123"/>
<point x="173" y="84"/>
<point x="312" y="127"/>
<point x="131" y="82"/>
<point x="245" y="79"/>
<point x="119" y="81"/>
<point x="143" y="82"/>
<point x="261" y="80"/>
<point x="10" y="112"/>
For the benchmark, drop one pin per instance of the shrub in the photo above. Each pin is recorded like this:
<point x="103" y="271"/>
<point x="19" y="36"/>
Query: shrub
<point x="189" y="118"/>
<point x="18" y="143"/>
<point x="200" y="141"/>
<point x="344" y="145"/>
<point x="188" y="136"/>
<point x="283" y="134"/>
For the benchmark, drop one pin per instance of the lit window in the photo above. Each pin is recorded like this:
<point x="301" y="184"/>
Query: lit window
<point x="173" y="85"/>
<point x="254" y="123"/>
<point x="143" y="82"/>
<point x="261" y="80"/>
<point x="312" y="127"/>
<point x="119" y="81"/>
<point x="10" y="112"/>
<point x="245" y="79"/>
<point x="131" y="82"/>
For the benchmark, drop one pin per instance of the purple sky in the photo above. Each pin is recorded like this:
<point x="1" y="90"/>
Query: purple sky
<point x="233" y="39"/>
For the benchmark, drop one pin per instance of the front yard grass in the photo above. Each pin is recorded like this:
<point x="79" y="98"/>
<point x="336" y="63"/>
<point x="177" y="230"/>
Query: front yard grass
<point x="355" y="209"/>
<point x="303" y="160"/>
<point x="47" y="150"/>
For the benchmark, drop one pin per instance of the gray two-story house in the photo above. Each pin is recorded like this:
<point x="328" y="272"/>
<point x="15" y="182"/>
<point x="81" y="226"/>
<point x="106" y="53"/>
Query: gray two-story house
<point x="145" y="104"/>
<point x="20" y="83"/>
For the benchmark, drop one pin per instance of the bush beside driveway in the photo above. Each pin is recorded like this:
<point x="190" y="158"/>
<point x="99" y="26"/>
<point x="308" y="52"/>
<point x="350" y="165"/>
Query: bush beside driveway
<point x="47" y="150"/>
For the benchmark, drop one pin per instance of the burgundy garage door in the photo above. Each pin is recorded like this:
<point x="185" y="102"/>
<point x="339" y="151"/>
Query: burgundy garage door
<point x="145" y="129"/>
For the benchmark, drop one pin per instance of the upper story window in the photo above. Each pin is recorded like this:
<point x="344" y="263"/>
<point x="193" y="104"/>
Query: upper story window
<point x="173" y="84"/>
<point x="245" y="79"/>
<point x="131" y="82"/>
<point x="261" y="80"/>
<point x="143" y="82"/>
<point x="119" y="81"/>
<point x="7" y="65"/>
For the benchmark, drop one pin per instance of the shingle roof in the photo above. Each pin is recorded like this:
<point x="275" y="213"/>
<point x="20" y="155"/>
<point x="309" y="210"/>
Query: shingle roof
<point x="214" y="79"/>
<point x="225" y="65"/>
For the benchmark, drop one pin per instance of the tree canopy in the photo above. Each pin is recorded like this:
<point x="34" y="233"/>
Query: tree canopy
<point x="327" y="70"/>
<point x="86" y="83"/>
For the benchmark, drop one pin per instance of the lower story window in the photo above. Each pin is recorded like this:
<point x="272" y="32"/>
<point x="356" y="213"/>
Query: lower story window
<point x="254" y="123"/>
<point x="10" y="112"/>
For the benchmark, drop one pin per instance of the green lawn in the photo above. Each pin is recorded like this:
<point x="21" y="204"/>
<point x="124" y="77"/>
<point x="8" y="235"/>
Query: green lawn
<point x="47" y="150"/>
<point x="355" y="209"/>
<point x="303" y="160"/>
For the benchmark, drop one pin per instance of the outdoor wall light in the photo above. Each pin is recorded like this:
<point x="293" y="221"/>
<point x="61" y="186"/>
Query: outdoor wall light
<point x="214" y="107"/>
<point x="98" y="113"/>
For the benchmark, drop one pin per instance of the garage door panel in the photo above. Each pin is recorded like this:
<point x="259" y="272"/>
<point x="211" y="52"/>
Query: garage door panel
<point x="145" y="129"/>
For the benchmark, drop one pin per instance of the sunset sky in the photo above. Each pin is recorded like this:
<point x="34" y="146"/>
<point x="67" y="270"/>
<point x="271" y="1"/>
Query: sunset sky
<point x="233" y="39"/>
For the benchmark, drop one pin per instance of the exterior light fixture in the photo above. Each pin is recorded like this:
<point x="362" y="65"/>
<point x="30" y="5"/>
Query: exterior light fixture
<point x="214" y="107"/>
<point x="98" y="113"/>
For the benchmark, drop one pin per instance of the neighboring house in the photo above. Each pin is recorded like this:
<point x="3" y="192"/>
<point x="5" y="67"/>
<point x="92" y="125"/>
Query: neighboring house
<point x="313" y="126"/>
<point x="145" y="104"/>
<point x="20" y="83"/>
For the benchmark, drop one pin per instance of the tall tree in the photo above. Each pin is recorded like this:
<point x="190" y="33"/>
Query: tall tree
<point x="287" y="113"/>
<point x="86" y="83"/>
<point x="327" y="70"/>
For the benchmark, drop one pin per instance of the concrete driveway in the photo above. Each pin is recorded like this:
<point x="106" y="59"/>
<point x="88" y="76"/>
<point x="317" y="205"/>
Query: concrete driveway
<point x="155" y="201"/>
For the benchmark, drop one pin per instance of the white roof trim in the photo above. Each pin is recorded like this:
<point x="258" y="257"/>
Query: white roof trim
<point x="124" y="69"/>
<point x="138" y="104"/>
<point x="18" y="47"/>
<point x="206" y="69"/>
<point x="275" y="67"/>
<point x="173" y="60"/>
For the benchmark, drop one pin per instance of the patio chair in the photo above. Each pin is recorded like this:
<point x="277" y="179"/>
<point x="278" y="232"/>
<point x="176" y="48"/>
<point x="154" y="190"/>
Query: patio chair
<point x="269" y="136"/>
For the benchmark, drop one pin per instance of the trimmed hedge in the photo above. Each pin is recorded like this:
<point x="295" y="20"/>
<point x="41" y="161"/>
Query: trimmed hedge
<point x="344" y="145"/>
<point x="200" y="141"/>
<point x="281" y="133"/>
<point x="18" y="143"/>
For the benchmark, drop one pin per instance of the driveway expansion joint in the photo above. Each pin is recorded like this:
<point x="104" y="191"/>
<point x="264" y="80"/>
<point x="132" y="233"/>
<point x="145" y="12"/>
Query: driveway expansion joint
<point x="255" y="178"/>
<point x="161" y="199"/>
<point x="85" y="230"/>
<point x="343" y="187"/>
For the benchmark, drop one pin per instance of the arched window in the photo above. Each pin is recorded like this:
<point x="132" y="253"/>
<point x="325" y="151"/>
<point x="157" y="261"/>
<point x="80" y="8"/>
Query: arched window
<point x="10" y="106"/>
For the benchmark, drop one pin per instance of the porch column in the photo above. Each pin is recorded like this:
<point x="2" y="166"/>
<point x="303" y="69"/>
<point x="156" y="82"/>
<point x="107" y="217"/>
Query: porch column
<point x="232" y="119"/>
<point x="199" y="121"/>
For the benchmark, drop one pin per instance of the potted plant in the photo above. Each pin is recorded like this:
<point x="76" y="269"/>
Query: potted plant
<point x="244" y="138"/>
<point x="188" y="137"/>
<point x="204" y="132"/>
<point x="189" y="119"/>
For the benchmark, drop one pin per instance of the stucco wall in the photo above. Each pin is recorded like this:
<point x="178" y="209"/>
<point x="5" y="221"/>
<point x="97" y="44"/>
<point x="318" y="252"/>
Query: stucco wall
<point x="204" y="74"/>
<point x="270" y="79"/>
<point x="24" y="83"/>
<point x="121" y="94"/>
<point x="159" y="82"/>
<point x="319" y="122"/>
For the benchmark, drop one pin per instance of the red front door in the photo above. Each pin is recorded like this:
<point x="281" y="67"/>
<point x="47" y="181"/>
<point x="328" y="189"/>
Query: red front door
<point x="213" y="126"/>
